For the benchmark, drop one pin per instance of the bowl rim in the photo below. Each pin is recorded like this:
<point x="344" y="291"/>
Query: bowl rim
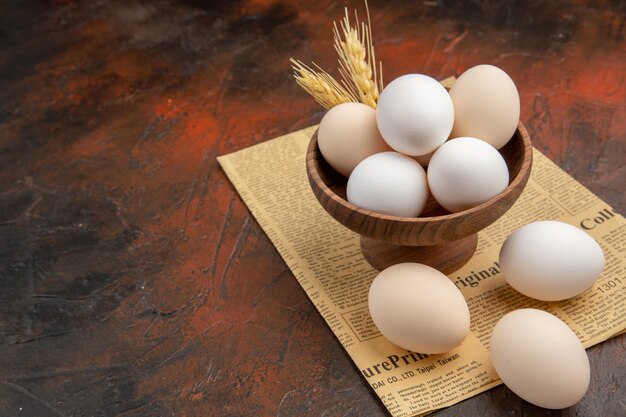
<point x="519" y="180"/>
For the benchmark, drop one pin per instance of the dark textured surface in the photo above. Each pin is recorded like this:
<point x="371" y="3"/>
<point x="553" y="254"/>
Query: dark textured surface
<point x="133" y="280"/>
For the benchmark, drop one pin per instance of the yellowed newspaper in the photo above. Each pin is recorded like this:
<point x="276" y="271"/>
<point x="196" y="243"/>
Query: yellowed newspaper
<point x="326" y="260"/>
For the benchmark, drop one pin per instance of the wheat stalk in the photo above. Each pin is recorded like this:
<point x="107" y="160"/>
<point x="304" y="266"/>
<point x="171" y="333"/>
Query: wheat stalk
<point x="357" y="59"/>
<point x="361" y="81"/>
<point x="320" y="85"/>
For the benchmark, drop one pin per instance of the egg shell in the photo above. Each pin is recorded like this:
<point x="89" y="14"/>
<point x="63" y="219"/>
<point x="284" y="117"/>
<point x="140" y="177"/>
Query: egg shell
<point x="389" y="183"/>
<point x="551" y="260"/>
<point x="405" y="302"/>
<point x="466" y="172"/>
<point x="348" y="134"/>
<point x="486" y="105"/>
<point x="539" y="358"/>
<point x="414" y="114"/>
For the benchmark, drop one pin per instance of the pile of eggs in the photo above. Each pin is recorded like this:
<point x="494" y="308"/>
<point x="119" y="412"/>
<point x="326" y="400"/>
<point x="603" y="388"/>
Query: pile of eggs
<point x="456" y="135"/>
<point x="383" y="151"/>
<point x="535" y="353"/>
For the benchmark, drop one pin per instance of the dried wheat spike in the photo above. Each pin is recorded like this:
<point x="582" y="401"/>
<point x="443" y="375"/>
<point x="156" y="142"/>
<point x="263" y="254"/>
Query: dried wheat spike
<point x="320" y="85"/>
<point x="357" y="60"/>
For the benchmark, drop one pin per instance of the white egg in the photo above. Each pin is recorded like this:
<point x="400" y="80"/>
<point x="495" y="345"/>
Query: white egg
<point x="348" y="134"/>
<point x="466" y="172"/>
<point x="414" y="114"/>
<point x="551" y="260"/>
<point x="486" y="105"/>
<point x="418" y="308"/>
<point x="539" y="358"/>
<point x="389" y="183"/>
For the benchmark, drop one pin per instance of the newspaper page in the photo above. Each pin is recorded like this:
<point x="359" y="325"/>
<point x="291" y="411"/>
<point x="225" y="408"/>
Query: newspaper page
<point x="325" y="258"/>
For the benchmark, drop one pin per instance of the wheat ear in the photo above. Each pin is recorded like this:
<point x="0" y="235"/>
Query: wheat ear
<point x="357" y="59"/>
<point x="320" y="85"/>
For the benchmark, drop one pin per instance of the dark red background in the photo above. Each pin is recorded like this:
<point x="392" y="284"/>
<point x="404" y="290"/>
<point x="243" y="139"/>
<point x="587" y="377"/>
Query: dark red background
<point x="133" y="280"/>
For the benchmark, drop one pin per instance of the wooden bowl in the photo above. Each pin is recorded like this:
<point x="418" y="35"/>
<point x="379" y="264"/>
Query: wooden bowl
<point x="438" y="238"/>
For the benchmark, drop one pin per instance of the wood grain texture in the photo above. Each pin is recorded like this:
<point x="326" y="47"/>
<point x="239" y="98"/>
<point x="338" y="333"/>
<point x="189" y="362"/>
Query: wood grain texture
<point x="447" y="257"/>
<point x="134" y="281"/>
<point x="437" y="237"/>
<point x="434" y="226"/>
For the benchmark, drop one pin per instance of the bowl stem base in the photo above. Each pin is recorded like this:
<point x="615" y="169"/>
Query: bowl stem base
<point x="446" y="258"/>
